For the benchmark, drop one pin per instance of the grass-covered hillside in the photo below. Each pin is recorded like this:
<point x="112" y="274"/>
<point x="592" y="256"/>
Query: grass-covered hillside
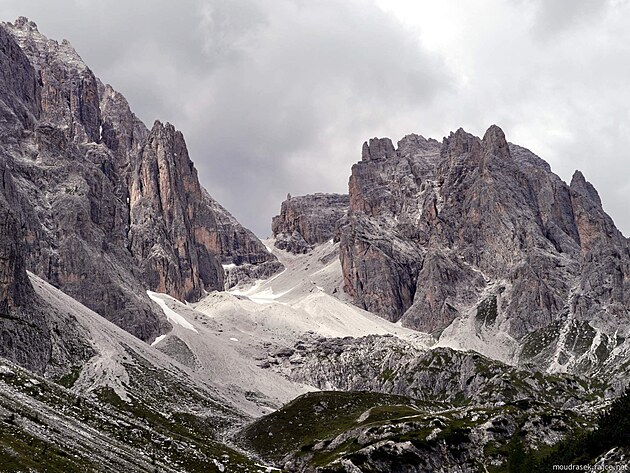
<point x="343" y="431"/>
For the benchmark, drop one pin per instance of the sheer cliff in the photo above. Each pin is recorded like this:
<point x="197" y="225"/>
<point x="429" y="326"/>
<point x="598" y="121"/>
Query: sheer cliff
<point x="308" y="220"/>
<point x="32" y="332"/>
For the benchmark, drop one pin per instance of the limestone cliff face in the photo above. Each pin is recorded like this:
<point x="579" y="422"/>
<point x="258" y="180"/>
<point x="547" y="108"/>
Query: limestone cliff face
<point x="308" y="220"/>
<point x="179" y="234"/>
<point x="21" y="93"/>
<point x="24" y="334"/>
<point x="381" y="254"/>
<point x="164" y="198"/>
<point x="33" y="333"/>
<point x="122" y="132"/>
<point x="107" y="208"/>
<point x="29" y="328"/>
<point x="69" y="93"/>
<point x="15" y="288"/>
<point x="482" y="230"/>
<point x="19" y="328"/>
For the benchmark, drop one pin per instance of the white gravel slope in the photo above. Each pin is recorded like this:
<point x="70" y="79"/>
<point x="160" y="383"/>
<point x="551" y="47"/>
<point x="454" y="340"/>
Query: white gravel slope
<point x="234" y="331"/>
<point x="222" y="342"/>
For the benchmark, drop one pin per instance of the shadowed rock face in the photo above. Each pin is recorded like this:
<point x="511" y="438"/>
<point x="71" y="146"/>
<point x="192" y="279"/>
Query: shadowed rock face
<point x="434" y="230"/>
<point x="308" y="220"/>
<point x="15" y="288"/>
<point x="24" y="336"/>
<point x="29" y="327"/>
<point x="19" y="112"/>
<point x="106" y="208"/>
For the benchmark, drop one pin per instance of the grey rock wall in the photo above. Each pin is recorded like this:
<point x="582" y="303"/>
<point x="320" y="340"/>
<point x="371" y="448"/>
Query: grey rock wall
<point x="308" y="220"/>
<point x="435" y="231"/>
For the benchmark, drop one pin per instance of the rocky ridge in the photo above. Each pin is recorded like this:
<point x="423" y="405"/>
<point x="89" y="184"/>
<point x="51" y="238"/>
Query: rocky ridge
<point x="308" y="220"/>
<point x="363" y="431"/>
<point x="389" y="365"/>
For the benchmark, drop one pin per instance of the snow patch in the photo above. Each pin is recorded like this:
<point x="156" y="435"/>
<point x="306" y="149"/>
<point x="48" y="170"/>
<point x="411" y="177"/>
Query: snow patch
<point x="171" y="315"/>
<point x="268" y="469"/>
<point x="265" y="296"/>
<point x="158" y="340"/>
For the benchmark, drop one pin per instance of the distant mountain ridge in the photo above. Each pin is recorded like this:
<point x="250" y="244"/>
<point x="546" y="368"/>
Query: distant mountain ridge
<point x="479" y="243"/>
<point x="309" y="220"/>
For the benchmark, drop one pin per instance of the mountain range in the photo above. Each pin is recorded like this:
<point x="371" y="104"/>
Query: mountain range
<point x="462" y="308"/>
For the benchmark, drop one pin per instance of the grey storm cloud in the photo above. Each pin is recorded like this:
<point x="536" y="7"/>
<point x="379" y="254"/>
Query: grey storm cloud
<point x="273" y="97"/>
<point x="278" y="96"/>
<point x="552" y="18"/>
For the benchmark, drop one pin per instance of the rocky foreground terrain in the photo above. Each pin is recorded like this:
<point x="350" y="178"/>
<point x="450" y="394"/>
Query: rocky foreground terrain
<point x="461" y="309"/>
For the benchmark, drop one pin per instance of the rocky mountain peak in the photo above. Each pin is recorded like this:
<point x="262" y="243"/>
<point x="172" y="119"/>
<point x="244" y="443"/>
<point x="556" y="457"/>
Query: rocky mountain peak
<point x="23" y="23"/>
<point x="308" y="220"/>
<point x="21" y="93"/>
<point x="121" y="130"/>
<point x="377" y="148"/>
<point x="460" y="143"/>
<point x="495" y="144"/>
<point x="164" y="193"/>
<point x="107" y="208"/>
<point x="28" y="35"/>
<point x="580" y="185"/>
<point x="167" y="132"/>
<point x="414" y="144"/>
<point x="485" y="228"/>
<point x="70" y="99"/>
<point x="158" y="125"/>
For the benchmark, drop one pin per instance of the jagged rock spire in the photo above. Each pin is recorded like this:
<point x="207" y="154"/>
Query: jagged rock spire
<point x="495" y="144"/>
<point x="580" y="185"/>
<point x="377" y="148"/>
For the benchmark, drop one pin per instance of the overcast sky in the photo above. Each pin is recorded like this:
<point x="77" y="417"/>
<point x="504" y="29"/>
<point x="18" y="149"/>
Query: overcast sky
<point x="277" y="96"/>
